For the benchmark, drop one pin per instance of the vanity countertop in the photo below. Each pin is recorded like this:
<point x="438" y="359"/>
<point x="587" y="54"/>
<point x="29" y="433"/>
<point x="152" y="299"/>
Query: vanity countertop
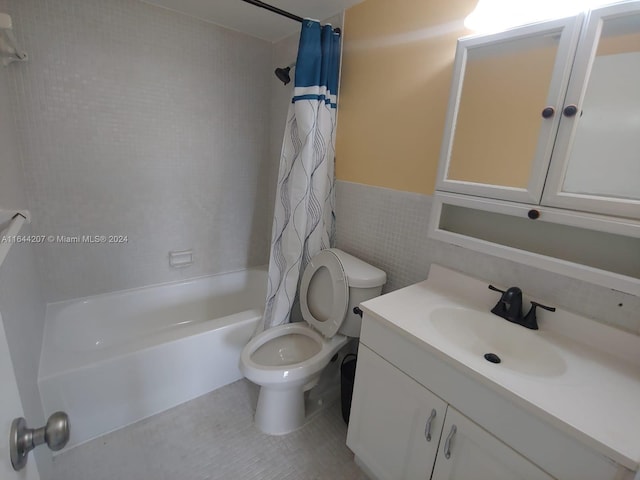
<point x="588" y="379"/>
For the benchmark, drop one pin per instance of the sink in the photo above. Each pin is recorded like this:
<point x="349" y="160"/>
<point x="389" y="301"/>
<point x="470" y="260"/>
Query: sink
<point x="479" y="333"/>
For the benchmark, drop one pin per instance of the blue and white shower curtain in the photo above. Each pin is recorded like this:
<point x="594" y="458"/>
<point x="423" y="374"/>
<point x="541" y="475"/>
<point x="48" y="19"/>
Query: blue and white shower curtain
<point x="303" y="222"/>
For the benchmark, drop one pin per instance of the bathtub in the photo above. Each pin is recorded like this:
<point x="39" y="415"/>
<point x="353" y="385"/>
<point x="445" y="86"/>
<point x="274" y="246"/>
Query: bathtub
<point x="113" y="359"/>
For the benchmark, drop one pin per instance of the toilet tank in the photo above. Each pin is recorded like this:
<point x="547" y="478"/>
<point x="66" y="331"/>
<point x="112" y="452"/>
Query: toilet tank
<point x="352" y="322"/>
<point x="365" y="282"/>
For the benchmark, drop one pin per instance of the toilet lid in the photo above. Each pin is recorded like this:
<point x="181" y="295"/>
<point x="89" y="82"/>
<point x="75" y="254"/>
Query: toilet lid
<point x="324" y="293"/>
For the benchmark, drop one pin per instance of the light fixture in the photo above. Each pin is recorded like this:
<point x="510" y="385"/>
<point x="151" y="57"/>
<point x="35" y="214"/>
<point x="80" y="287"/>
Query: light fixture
<point x="496" y="15"/>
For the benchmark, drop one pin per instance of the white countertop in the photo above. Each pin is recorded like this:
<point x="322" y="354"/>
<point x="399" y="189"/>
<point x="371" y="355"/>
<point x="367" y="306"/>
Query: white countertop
<point x="594" y="397"/>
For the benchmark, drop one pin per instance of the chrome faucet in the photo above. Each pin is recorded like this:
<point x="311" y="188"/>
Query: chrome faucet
<point x="509" y="307"/>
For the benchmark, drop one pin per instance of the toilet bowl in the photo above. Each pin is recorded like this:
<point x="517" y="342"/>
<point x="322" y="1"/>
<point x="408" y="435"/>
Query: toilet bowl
<point x="287" y="360"/>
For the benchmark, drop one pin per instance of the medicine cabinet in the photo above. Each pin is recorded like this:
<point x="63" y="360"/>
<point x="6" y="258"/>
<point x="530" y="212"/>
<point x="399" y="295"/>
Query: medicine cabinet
<point x="544" y="124"/>
<point x="596" y="160"/>
<point x="549" y="114"/>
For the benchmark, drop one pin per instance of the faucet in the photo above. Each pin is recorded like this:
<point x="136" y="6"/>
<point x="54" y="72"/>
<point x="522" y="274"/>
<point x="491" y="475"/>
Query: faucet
<point x="509" y="307"/>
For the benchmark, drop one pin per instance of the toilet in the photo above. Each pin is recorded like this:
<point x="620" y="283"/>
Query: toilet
<point x="287" y="360"/>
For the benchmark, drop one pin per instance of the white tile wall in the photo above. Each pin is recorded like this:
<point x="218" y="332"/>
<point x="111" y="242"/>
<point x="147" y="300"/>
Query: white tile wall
<point x="388" y="228"/>
<point x="138" y="121"/>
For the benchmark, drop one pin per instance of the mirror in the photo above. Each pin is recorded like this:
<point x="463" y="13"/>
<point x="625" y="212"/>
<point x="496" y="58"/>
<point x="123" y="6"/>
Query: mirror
<point x="505" y="86"/>
<point x="604" y="159"/>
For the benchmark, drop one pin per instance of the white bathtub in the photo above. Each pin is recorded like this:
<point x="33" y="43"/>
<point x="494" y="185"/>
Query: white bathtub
<point x="113" y="359"/>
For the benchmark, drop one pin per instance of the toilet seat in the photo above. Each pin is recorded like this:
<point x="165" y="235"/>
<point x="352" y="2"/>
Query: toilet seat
<point x="325" y="275"/>
<point x="289" y="373"/>
<point x="325" y="272"/>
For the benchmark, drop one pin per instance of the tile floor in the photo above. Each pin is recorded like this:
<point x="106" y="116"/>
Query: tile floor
<point x="213" y="438"/>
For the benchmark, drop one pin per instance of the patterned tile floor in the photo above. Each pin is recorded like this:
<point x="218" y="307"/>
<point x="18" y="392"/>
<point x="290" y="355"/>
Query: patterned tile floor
<point x="213" y="438"/>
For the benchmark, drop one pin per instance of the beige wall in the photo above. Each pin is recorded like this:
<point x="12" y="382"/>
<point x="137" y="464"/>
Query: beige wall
<point x="396" y="73"/>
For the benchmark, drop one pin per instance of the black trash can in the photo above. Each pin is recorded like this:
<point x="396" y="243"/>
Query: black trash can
<point x="347" y="376"/>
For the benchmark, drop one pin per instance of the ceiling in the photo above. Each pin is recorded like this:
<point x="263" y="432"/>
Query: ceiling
<point x="255" y="21"/>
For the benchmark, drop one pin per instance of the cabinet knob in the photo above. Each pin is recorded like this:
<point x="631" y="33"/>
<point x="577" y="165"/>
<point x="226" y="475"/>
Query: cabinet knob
<point x="570" y="110"/>
<point x="548" y="112"/>
<point x="533" y="214"/>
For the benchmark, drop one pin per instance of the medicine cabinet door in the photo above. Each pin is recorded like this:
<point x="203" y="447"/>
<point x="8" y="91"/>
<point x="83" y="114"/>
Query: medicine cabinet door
<point x="506" y="93"/>
<point x="596" y="162"/>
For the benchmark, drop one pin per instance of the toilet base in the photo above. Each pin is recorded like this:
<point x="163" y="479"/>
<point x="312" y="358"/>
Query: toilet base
<point x="280" y="411"/>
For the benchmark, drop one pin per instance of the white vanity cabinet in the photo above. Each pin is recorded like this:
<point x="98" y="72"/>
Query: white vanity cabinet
<point x="546" y="114"/>
<point x="396" y="432"/>
<point x="468" y="452"/>
<point x="400" y="381"/>
<point x="395" y="423"/>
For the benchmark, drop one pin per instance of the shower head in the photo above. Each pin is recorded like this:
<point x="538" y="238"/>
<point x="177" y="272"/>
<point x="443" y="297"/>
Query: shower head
<point x="283" y="73"/>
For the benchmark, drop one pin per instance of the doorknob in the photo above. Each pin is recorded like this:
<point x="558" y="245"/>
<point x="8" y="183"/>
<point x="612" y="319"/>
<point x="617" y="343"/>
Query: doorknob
<point x="23" y="439"/>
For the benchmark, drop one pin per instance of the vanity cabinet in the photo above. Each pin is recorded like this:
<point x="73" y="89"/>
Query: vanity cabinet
<point x="399" y="383"/>
<point x="548" y="114"/>
<point x="399" y="430"/>
<point x="468" y="452"/>
<point x="395" y="423"/>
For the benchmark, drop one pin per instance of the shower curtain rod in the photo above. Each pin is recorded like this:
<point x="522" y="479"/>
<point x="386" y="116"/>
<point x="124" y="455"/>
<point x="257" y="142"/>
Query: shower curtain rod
<point x="279" y="11"/>
<point x="273" y="9"/>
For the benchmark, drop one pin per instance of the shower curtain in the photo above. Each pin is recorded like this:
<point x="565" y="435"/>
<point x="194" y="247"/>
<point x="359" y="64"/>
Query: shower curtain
<point x="303" y="222"/>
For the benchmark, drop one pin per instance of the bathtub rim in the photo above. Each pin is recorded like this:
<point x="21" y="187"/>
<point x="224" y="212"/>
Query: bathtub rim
<point x="51" y="364"/>
<point x="58" y="303"/>
<point x="118" y="353"/>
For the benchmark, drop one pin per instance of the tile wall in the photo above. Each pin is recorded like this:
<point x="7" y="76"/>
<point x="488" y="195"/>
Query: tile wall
<point x="388" y="228"/>
<point x="138" y="121"/>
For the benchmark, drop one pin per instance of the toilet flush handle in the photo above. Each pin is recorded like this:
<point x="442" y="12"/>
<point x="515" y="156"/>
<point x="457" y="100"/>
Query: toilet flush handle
<point x="357" y="311"/>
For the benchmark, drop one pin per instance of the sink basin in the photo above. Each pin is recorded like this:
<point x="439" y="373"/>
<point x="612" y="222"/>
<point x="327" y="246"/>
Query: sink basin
<point x="480" y="333"/>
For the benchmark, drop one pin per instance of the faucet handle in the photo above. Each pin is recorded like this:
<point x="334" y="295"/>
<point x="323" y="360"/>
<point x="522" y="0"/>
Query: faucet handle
<point x="491" y="287"/>
<point x="544" y="307"/>
<point x="530" y="320"/>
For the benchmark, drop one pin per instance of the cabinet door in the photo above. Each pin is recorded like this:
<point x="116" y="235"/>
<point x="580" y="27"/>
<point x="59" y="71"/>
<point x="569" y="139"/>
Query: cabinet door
<point x="467" y="452"/>
<point x="395" y="423"/>
<point x="595" y="165"/>
<point x="506" y="93"/>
